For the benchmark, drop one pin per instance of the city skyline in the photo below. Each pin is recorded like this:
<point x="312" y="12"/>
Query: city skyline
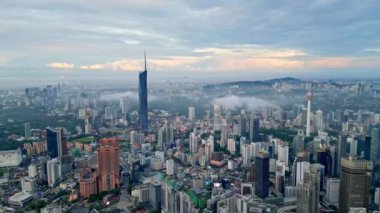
<point x="66" y="39"/>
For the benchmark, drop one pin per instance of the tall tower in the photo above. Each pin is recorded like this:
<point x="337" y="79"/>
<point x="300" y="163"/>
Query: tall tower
<point x="308" y="118"/>
<point x="143" y="99"/>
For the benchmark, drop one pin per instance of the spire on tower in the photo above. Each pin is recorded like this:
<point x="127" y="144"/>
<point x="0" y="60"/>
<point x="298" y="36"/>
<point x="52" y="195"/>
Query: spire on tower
<point x="145" y="60"/>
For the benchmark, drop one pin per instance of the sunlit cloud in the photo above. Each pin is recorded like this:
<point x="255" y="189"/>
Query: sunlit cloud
<point x="60" y="65"/>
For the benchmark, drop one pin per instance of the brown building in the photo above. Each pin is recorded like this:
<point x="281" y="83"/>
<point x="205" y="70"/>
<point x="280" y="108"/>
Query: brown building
<point x="87" y="184"/>
<point x="108" y="164"/>
<point x="355" y="182"/>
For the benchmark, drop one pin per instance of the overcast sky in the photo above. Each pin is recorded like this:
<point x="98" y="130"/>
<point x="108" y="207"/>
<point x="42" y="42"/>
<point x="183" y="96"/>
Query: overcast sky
<point x="256" y="39"/>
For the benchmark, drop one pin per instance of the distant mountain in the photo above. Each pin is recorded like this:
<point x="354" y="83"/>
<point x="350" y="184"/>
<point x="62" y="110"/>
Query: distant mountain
<point x="269" y="82"/>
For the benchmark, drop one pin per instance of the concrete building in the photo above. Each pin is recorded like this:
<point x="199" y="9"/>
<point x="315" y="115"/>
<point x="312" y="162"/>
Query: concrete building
<point x="191" y="112"/>
<point x="308" y="191"/>
<point x="308" y="118"/>
<point x="262" y="174"/>
<point x="355" y="182"/>
<point x="108" y="164"/>
<point x="332" y="190"/>
<point x="170" y="167"/>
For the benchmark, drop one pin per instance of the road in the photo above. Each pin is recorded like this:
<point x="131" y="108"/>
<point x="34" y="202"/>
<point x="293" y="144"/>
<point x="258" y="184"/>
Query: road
<point x="286" y="209"/>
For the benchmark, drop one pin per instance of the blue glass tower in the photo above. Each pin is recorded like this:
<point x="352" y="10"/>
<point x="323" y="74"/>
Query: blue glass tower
<point x="52" y="142"/>
<point x="143" y="99"/>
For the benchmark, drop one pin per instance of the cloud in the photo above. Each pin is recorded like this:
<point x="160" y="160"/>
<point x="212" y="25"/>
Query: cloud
<point x="60" y="65"/>
<point x="155" y="64"/>
<point x="372" y="49"/>
<point x="234" y="102"/>
<point x="131" y="96"/>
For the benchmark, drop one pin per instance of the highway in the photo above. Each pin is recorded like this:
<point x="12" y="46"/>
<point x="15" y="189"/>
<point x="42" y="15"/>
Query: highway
<point x="286" y="209"/>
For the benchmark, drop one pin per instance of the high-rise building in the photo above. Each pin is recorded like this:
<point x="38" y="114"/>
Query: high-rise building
<point x="88" y="184"/>
<point x="108" y="164"/>
<point x="53" y="172"/>
<point x="342" y="150"/>
<point x="191" y="113"/>
<point x="32" y="170"/>
<point x="246" y="154"/>
<point x="308" y="191"/>
<point x="194" y="139"/>
<point x="308" y="118"/>
<point x="319" y="120"/>
<point x="375" y="145"/>
<point x="367" y="148"/>
<point x="29" y="185"/>
<point x="27" y="130"/>
<point x="283" y="153"/>
<point x="298" y="142"/>
<point x="143" y="99"/>
<point x="155" y="195"/>
<point x="55" y="143"/>
<point x="332" y="190"/>
<point x="231" y="145"/>
<point x="355" y="182"/>
<point x="262" y="174"/>
<point x="170" y="167"/>
<point x="254" y="126"/>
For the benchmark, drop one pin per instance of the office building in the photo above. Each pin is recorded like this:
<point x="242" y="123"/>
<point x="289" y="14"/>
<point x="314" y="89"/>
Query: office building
<point x="254" y="126"/>
<point x="262" y="174"/>
<point x="194" y="140"/>
<point x="298" y="142"/>
<point x="332" y="190"/>
<point x="88" y="184"/>
<point x="53" y="172"/>
<point x="155" y="195"/>
<point x="191" y="113"/>
<point x="170" y="167"/>
<point x="308" y="118"/>
<point x="375" y="145"/>
<point x="27" y="130"/>
<point x="355" y="182"/>
<point x="56" y="145"/>
<point x="308" y="191"/>
<point x="246" y="154"/>
<point x="108" y="164"/>
<point x="143" y="99"/>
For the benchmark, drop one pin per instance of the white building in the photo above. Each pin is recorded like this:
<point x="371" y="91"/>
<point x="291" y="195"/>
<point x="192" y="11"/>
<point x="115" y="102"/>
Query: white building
<point x="32" y="170"/>
<point x="231" y="145"/>
<point x="53" y="172"/>
<point x="246" y="154"/>
<point x="170" y="167"/>
<point x="10" y="158"/>
<point x="283" y="153"/>
<point x="191" y="113"/>
<point x="332" y="190"/>
<point x="194" y="140"/>
<point x="29" y="185"/>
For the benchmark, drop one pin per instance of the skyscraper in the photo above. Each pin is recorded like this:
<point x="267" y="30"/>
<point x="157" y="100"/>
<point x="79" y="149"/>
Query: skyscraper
<point x="27" y="130"/>
<point x="308" y="191"/>
<point x="355" y="182"/>
<point x="262" y="174"/>
<point x="308" y="118"/>
<point x="254" y="130"/>
<point x="191" y="113"/>
<point x="108" y="164"/>
<point x="143" y="99"/>
<point x="55" y="145"/>
<point x="374" y="145"/>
